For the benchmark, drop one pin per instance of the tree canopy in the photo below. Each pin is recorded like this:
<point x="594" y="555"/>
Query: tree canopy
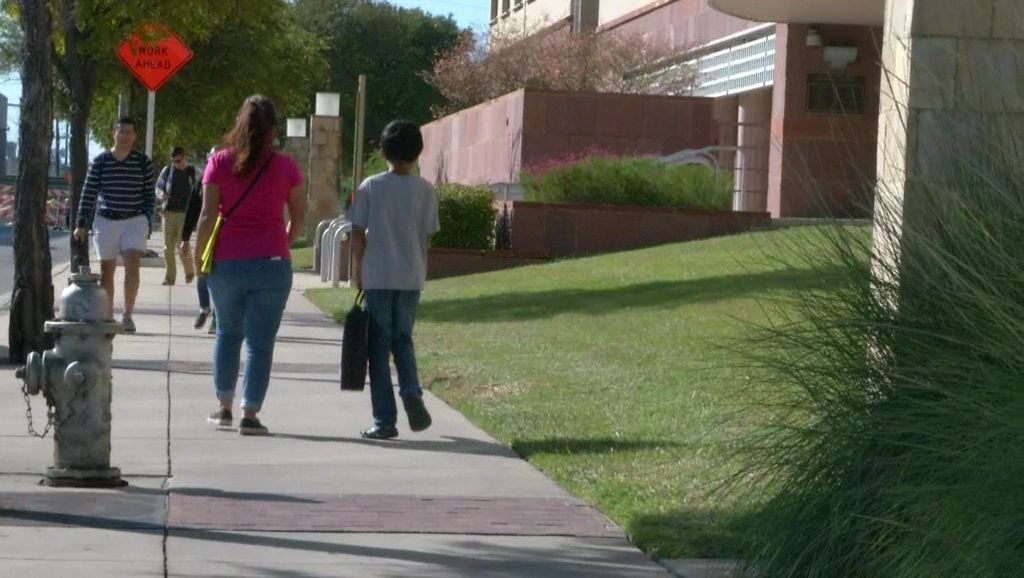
<point x="393" y="46"/>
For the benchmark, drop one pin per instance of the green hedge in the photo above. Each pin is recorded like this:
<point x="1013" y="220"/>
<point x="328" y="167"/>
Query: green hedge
<point x="629" y="181"/>
<point x="467" y="217"/>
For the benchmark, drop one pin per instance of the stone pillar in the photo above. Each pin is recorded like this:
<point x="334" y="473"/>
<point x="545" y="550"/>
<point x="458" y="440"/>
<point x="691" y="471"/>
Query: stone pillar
<point x="323" y="170"/>
<point x="755" y="113"/>
<point x="726" y="113"/>
<point x="952" y="85"/>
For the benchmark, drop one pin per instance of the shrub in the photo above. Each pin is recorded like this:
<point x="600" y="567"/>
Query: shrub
<point x="467" y="217"/>
<point x="898" y="414"/>
<point x="630" y="181"/>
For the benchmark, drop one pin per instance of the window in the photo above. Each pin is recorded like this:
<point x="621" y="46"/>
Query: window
<point x="505" y="5"/>
<point x="836" y="95"/>
<point x="494" y="10"/>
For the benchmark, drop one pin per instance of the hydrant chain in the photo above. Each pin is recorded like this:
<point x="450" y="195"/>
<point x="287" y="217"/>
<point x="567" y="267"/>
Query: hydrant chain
<point x="31" y="421"/>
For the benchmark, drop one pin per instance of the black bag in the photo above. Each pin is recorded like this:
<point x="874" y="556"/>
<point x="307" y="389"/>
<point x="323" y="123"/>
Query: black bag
<point x="355" y="347"/>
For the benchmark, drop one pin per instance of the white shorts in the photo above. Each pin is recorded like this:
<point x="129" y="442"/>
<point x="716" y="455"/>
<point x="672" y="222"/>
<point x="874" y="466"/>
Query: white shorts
<point x="111" y="238"/>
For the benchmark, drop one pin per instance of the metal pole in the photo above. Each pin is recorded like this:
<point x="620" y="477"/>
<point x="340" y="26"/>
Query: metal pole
<point x="357" y="170"/>
<point x="150" y="122"/>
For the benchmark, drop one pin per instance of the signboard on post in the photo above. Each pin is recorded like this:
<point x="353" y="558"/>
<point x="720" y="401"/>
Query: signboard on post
<point x="153" y="54"/>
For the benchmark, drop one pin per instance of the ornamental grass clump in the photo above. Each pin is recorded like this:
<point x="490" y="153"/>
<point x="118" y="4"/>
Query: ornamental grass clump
<point x="896" y="428"/>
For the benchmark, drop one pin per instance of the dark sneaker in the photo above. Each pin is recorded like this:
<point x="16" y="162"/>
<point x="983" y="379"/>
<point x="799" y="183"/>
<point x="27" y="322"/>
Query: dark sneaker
<point x="201" y="318"/>
<point x="127" y="325"/>
<point x="380" y="433"/>
<point x="167" y="283"/>
<point x="213" y="324"/>
<point x="419" y="417"/>
<point x="189" y="279"/>
<point x="221" y="417"/>
<point x="251" y="426"/>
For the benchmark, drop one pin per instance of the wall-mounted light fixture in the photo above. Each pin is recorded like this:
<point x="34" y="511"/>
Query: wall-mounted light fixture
<point x="813" y="38"/>
<point x="840" y="56"/>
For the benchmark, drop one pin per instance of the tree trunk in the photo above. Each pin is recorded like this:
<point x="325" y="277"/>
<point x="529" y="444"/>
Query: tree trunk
<point x="79" y="73"/>
<point x="32" y="302"/>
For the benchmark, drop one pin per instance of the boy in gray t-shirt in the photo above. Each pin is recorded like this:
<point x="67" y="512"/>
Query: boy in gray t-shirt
<point x="393" y="215"/>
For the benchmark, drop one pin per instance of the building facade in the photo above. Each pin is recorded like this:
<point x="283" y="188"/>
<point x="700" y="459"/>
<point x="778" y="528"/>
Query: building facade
<point x="796" y="105"/>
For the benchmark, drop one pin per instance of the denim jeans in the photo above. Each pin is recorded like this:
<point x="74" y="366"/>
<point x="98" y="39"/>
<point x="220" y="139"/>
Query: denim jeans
<point x="249" y="296"/>
<point x="203" y="290"/>
<point x="392" y="314"/>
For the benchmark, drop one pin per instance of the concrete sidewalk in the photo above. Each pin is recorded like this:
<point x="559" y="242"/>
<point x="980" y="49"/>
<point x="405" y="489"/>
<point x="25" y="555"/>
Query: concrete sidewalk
<point x="312" y="500"/>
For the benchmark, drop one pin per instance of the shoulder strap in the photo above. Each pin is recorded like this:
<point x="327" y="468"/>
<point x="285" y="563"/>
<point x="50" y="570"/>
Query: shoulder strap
<point x="249" y="188"/>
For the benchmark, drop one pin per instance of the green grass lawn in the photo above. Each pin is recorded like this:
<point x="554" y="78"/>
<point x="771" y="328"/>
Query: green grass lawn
<point x="302" y="258"/>
<point x="609" y="374"/>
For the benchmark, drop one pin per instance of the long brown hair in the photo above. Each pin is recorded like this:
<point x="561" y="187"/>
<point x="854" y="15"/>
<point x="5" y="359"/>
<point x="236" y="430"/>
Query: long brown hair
<point x="252" y="133"/>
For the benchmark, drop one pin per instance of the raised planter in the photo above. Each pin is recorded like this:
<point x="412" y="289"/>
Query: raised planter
<point x="574" y="230"/>
<point x="443" y="263"/>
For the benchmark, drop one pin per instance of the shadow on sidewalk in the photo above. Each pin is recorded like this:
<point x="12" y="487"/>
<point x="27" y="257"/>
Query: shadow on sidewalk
<point x="215" y="493"/>
<point x="448" y="444"/>
<point x="594" y="558"/>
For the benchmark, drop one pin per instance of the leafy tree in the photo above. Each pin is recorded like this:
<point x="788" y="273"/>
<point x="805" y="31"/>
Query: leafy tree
<point x="392" y="46"/>
<point x="87" y="33"/>
<point x="265" y="52"/>
<point x="32" y="300"/>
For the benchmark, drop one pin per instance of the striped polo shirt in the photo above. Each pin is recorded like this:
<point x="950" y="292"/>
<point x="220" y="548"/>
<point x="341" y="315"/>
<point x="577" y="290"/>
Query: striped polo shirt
<point x="117" y="189"/>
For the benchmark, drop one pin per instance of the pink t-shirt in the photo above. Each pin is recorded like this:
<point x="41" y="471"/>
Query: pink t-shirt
<point x="256" y="229"/>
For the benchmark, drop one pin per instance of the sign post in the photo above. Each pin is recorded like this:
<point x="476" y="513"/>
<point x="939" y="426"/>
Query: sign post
<point x="153" y="54"/>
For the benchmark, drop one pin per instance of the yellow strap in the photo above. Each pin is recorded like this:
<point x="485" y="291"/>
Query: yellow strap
<point x="207" y="264"/>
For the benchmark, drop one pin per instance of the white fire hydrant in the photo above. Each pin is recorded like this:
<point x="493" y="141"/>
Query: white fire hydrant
<point x="75" y="378"/>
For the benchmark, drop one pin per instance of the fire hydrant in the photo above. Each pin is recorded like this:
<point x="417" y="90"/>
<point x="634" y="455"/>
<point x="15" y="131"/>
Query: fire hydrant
<point x="75" y="378"/>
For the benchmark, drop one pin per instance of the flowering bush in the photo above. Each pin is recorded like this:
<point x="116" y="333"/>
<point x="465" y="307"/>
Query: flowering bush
<point x="57" y="205"/>
<point x="477" y="70"/>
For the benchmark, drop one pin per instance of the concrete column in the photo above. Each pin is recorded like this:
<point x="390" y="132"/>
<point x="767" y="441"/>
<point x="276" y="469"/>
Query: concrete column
<point x="755" y="113"/>
<point x="726" y="114"/>
<point x="952" y="85"/>
<point x="324" y="170"/>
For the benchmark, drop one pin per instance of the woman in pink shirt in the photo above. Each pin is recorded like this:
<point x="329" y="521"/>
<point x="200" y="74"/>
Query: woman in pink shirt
<point x="248" y="184"/>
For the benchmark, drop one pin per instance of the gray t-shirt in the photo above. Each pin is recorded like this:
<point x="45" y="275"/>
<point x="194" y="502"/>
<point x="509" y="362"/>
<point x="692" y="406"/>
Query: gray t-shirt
<point x="399" y="213"/>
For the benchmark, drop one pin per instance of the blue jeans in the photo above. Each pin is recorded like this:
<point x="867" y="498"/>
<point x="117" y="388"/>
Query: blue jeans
<point x="203" y="290"/>
<point x="249" y="296"/>
<point x="392" y="314"/>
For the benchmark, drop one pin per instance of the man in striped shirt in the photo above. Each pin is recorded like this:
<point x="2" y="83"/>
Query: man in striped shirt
<point x="117" y="206"/>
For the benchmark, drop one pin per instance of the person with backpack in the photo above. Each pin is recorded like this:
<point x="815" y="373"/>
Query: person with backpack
<point x="116" y="209"/>
<point x="174" y="188"/>
<point x="195" y="205"/>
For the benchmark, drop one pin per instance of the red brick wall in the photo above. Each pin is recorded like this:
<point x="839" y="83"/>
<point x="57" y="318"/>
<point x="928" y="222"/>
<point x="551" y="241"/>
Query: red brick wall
<point x="557" y="124"/>
<point x="822" y="164"/>
<point x="576" y="230"/>
<point x="490" y="142"/>
<point x="479" y="145"/>
<point x="442" y="263"/>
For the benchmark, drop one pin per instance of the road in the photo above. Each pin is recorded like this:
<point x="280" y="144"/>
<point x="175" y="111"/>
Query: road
<point x="59" y="252"/>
